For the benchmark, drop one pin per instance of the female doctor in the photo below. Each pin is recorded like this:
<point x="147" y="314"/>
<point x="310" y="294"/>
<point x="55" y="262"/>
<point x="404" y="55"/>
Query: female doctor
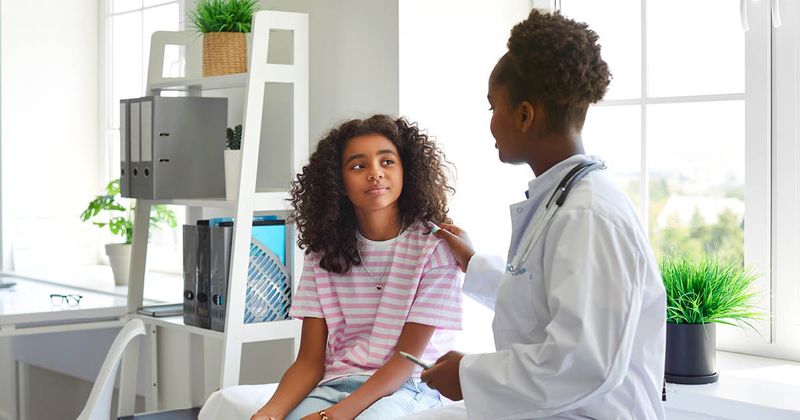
<point x="579" y="304"/>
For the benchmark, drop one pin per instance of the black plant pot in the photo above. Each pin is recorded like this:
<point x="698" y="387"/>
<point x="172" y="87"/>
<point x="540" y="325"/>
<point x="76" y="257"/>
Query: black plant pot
<point x="691" y="354"/>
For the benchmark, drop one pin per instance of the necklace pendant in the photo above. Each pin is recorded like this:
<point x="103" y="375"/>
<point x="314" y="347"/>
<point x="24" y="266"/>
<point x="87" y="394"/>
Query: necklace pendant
<point x="379" y="286"/>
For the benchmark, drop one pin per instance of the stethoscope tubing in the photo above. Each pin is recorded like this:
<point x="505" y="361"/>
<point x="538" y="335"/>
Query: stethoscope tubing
<point x="560" y="196"/>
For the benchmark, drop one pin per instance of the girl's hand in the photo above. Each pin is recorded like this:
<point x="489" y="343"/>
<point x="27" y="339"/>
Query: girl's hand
<point x="459" y="243"/>
<point x="330" y="413"/>
<point x="264" y="415"/>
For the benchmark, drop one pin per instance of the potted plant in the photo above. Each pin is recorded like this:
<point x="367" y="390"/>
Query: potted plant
<point x="224" y="25"/>
<point x="233" y="161"/>
<point x="118" y="217"/>
<point x="699" y="295"/>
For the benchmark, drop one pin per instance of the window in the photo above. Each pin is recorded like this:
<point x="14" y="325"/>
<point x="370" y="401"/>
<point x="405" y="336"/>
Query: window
<point x="708" y="109"/>
<point x="679" y="98"/>
<point x="129" y="25"/>
<point x="700" y="127"/>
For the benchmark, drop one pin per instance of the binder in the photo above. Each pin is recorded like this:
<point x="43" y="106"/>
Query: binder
<point x="159" y="311"/>
<point x="190" y="252"/>
<point x="207" y="255"/>
<point x="220" y="243"/>
<point x="124" y="148"/>
<point x="143" y="180"/>
<point x="133" y="146"/>
<point x="202" y="315"/>
<point x="176" y="147"/>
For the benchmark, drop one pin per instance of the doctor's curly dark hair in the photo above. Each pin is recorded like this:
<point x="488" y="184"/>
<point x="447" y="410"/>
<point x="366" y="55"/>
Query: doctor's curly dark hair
<point x="555" y="61"/>
<point x="324" y="216"/>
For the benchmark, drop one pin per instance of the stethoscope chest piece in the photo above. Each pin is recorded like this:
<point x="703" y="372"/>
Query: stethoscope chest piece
<point x="514" y="270"/>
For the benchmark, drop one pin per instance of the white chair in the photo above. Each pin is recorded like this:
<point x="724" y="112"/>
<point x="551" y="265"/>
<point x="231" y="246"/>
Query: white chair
<point x="236" y="402"/>
<point x="98" y="407"/>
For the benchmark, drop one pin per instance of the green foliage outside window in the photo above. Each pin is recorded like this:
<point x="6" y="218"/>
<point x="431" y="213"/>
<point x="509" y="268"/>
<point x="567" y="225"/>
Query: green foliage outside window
<point x="723" y="238"/>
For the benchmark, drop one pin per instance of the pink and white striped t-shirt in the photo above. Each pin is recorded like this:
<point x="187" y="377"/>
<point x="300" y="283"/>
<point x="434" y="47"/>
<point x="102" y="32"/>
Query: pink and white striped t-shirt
<point x="422" y="285"/>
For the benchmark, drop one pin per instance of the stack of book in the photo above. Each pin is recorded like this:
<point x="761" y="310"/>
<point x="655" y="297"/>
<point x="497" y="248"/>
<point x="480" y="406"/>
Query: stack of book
<point x="206" y="268"/>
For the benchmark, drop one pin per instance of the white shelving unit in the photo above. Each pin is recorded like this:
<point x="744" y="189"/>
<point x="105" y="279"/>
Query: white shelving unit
<point x="260" y="73"/>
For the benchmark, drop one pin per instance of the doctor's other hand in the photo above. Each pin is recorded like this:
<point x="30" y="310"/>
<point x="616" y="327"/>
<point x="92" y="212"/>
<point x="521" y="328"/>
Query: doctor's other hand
<point x="444" y="377"/>
<point x="459" y="243"/>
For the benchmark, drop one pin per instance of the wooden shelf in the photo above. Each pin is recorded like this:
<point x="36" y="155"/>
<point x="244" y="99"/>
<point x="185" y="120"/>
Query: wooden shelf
<point x="177" y="323"/>
<point x="260" y="73"/>
<point x="198" y="202"/>
<point x="261" y="331"/>
<point x="274" y="330"/>
<point x="262" y="201"/>
<point x="227" y="81"/>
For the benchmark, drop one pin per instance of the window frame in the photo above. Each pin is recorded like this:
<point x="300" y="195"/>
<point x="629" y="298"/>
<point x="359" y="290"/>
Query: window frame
<point x="763" y="197"/>
<point x="165" y="260"/>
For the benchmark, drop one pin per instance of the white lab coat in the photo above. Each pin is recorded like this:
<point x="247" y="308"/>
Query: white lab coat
<point x="582" y="332"/>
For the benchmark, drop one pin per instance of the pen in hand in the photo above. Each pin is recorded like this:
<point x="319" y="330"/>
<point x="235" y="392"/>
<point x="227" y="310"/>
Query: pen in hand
<point x="425" y="365"/>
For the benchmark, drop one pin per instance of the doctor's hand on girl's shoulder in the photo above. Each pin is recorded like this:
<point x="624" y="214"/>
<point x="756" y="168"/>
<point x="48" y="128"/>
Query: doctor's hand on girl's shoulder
<point x="458" y="241"/>
<point x="444" y="377"/>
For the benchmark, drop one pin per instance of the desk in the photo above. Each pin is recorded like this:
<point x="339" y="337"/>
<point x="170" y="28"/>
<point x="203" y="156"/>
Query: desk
<point x="33" y="330"/>
<point x="25" y="308"/>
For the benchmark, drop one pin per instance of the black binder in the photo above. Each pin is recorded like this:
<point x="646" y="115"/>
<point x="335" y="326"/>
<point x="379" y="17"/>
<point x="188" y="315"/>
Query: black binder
<point x="202" y="315"/>
<point x="190" y="252"/>
<point x="220" y="250"/>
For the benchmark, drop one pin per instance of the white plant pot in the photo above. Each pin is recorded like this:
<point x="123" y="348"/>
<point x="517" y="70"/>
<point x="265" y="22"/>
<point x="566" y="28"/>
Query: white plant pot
<point x="233" y="165"/>
<point x="119" y="255"/>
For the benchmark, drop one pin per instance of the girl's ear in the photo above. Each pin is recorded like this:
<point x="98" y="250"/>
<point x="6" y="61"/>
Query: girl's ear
<point x="525" y="113"/>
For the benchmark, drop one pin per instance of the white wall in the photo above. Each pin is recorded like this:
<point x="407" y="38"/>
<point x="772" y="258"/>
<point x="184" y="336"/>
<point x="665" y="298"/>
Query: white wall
<point x="50" y="160"/>
<point x="353" y="72"/>
<point x="447" y="51"/>
<point x="353" y="58"/>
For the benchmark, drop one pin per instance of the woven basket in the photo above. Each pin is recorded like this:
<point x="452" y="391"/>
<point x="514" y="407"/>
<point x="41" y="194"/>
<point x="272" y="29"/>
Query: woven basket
<point x="224" y="53"/>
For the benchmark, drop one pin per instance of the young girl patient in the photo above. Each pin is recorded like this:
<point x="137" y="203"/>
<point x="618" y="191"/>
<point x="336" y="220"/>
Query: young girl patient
<point x="375" y="281"/>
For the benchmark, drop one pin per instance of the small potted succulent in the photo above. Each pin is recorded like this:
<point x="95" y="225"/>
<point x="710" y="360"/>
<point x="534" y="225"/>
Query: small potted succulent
<point x="233" y="161"/>
<point x="699" y="295"/>
<point x="109" y="211"/>
<point x="224" y="25"/>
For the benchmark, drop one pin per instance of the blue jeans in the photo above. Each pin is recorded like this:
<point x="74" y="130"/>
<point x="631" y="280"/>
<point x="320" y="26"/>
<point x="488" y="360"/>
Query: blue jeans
<point x="412" y="397"/>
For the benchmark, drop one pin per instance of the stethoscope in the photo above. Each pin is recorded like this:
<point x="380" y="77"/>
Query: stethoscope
<point x="535" y="229"/>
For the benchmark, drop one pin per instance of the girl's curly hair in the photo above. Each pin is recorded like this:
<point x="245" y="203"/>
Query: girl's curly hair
<point x="556" y="61"/>
<point x="324" y="216"/>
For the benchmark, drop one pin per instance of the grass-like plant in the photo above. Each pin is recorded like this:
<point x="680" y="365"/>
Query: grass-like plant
<point x="708" y="290"/>
<point x="223" y="15"/>
<point x="119" y="217"/>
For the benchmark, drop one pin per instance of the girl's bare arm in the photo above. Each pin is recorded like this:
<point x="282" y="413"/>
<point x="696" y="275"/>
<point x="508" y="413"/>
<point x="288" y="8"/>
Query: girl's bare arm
<point x="388" y="379"/>
<point x="304" y="374"/>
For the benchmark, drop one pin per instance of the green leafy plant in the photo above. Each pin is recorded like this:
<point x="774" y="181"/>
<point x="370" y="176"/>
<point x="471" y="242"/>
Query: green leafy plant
<point x="118" y="217"/>
<point x="708" y="291"/>
<point x="234" y="138"/>
<point x="223" y="15"/>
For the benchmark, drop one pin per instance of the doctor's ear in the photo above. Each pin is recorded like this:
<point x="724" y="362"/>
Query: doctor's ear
<point x="525" y="114"/>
